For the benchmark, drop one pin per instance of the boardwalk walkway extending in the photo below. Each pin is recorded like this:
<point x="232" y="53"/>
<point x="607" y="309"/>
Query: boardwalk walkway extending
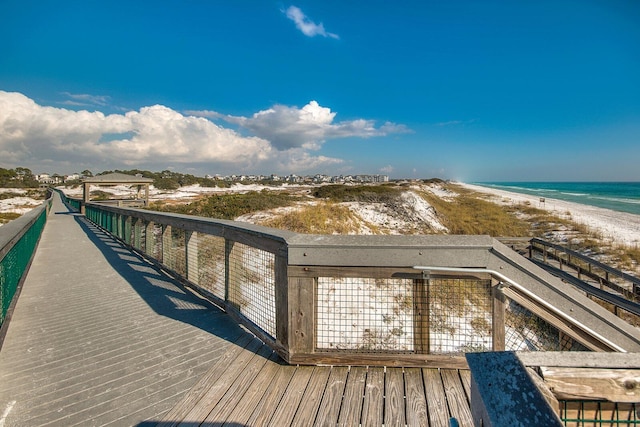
<point x="100" y="336"/>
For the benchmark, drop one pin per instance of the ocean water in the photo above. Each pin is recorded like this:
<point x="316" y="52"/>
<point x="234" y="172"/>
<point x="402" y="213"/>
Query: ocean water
<point x="617" y="196"/>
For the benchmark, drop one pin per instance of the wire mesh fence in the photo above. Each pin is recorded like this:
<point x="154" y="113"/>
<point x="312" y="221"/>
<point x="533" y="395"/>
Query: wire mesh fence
<point x="210" y="261"/>
<point x="174" y="250"/>
<point x="364" y="314"/>
<point x="138" y="237"/>
<point x="252" y="285"/>
<point x="441" y="316"/>
<point x="460" y="316"/>
<point x="525" y="331"/>
<point x="153" y="238"/>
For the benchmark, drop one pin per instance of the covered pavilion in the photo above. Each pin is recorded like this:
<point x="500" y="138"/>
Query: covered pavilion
<point x="112" y="179"/>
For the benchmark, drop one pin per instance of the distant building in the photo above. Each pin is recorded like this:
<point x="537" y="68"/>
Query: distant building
<point x="45" y="178"/>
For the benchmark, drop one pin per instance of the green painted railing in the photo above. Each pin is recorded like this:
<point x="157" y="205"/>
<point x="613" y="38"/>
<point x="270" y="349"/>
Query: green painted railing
<point x="18" y="241"/>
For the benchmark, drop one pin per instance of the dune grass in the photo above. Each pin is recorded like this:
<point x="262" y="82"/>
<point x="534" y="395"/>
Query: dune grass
<point x="322" y="218"/>
<point x="5" y="217"/>
<point x="470" y="214"/>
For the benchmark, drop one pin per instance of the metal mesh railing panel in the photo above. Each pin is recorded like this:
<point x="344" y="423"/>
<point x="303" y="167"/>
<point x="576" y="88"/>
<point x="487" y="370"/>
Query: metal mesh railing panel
<point x="364" y="314"/>
<point x="139" y="238"/>
<point x="252" y="285"/>
<point x="460" y="316"/>
<point x="153" y="244"/>
<point x="524" y="331"/>
<point x="174" y="256"/>
<point x="210" y="264"/>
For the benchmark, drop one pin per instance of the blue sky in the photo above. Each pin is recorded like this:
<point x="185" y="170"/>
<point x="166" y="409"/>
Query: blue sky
<point x="465" y="90"/>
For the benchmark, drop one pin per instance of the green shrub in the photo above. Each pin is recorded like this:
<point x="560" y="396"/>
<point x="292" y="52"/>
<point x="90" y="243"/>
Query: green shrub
<point x="230" y="206"/>
<point x="361" y="193"/>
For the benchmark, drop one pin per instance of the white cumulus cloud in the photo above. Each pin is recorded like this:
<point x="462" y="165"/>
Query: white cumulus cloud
<point x="307" y="127"/>
<point x="159" y="135"/>
<point x="281" y="138"/>
<point x="63" y="140"/>
<point x="305" y="25"/>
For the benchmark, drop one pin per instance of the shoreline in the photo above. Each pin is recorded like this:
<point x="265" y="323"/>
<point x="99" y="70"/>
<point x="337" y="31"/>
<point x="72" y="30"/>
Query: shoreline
<point x="621" y="228"/>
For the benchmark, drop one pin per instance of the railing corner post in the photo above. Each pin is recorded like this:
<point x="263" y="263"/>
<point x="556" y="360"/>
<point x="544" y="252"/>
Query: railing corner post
<point x="498" y="326"/>
<point x="282" y="304"/>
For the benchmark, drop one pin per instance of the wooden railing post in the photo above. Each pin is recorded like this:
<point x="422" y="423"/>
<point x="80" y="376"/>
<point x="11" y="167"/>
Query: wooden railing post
<point x="282" y="301"/>
<point x="421" y="315"/>
<point x="301" y="311"/>
<point x="228" y="249"/>
<point x="498" y="328"/>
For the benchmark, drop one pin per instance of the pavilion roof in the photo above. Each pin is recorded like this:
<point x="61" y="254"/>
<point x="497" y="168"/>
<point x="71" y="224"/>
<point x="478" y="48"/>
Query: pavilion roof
<point x="117" y="178"/>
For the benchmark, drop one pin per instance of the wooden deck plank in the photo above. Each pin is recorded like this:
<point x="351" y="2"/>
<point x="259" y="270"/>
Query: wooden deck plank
<point x="179" y="411"/>
<point x="353" y="396"/>
<point x="308" y="409"/>
<point x="394" y="398"/>
<point x="202" y="408"/>
<point x="437" y="399"/>
<point x="332" y="399"/>
<point x="416" y="402"/>
<point x="256" y="393"/>
<point x="456" y="396"/>
<point x="235" y="394"/>
<point x="465" y="376"/>
<point x="288" y="405"/>
<point x="94" y="385"/>
<point x="373" y="405"/>
<point x="272" y="396"/>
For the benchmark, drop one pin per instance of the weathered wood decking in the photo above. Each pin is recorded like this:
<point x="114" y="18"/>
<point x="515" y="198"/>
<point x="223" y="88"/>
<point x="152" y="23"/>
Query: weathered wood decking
<point x="101" y="337"/>
<point x="250" y="386"/>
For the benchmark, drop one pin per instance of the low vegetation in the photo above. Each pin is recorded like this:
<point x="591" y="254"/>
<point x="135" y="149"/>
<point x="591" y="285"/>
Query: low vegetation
<point x="323" y="218"/>
<point x="468" y="213"/>
<point x="360" y="193"/>
<point x="8" y="216"/>
<point x="230" y="206"/>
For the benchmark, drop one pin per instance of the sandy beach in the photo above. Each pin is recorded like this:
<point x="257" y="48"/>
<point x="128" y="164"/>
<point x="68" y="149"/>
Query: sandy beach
<point x="620" y="227"/>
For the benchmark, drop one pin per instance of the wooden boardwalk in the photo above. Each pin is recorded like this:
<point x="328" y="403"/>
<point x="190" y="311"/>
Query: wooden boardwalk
<point x="101" y="337"/>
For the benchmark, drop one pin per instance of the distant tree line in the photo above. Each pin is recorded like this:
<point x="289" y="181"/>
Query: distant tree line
<point x="168" y="180"/>
<point x="18" y="178"/>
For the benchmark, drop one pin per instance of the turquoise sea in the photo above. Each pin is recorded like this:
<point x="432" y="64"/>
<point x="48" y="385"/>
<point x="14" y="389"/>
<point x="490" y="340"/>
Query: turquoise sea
<point x="617" y="196"/>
